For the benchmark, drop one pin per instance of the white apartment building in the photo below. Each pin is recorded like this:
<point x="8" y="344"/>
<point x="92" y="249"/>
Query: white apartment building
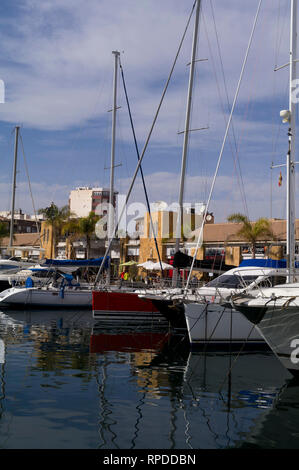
<point x="85" y="199"/>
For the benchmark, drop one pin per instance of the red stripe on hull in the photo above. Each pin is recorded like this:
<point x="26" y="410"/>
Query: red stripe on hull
<point x="120" y="302"/>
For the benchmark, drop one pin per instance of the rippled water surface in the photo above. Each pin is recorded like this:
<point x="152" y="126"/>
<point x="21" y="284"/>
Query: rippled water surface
<point x="67" y="382"/>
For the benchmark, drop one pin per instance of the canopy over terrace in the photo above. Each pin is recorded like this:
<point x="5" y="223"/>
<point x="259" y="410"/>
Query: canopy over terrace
<point x="150" y="266"/>
<point x="129" y="263"/>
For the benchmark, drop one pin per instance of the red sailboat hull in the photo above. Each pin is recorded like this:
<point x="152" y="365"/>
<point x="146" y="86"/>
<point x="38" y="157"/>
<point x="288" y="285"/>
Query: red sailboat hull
<point x="116" y="305"/>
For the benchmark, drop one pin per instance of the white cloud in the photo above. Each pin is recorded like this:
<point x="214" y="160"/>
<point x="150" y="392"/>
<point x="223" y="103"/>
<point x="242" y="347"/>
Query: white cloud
<point x="58" y="67"/>
<point x="227" y="197"/>
<point x="60" y="57"/>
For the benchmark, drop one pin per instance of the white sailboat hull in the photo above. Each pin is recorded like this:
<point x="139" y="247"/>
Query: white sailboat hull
<point x="43" y="297"/>
<point x="212" y="324"/>
<point x="277" y="320"/>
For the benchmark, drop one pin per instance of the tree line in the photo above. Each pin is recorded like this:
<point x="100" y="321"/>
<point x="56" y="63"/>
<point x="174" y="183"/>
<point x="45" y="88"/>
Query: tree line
<point x="63" y="222"/>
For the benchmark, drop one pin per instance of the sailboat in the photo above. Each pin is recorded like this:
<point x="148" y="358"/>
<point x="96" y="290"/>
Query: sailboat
<point x="60" y="289"/>
<point x="111" y="302"/>
<point x="206" y="320"/>
<point x="12" y="265"/>
<point x="274" y="310"/>
<point x="120" y="303"/>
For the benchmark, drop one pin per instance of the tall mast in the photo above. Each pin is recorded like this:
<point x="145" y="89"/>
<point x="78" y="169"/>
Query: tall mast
<point x="12" y="213"/>
<point x="112" y="164"/>
<point x="186" y="137"/>
<point x="291" y="157"/>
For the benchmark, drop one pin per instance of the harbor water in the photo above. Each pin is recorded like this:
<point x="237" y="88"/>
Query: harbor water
<point x="69" y="382"/>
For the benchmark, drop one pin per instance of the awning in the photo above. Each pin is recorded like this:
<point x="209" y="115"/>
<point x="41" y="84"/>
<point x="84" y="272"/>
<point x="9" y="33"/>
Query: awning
<point x="157" y="266"/>
<point x="147" y="265"/>
<point x="129" y="263"/>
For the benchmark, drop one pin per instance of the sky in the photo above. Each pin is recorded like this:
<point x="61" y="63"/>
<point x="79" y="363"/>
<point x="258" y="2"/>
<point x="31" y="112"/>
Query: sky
<point x="57" y="66"/>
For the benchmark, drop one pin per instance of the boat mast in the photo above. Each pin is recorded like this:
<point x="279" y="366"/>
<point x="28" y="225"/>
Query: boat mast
<point x="186" y="139"/>
<point x="12" y="212"/>
<point x="111" y="193"/>
<point x="291" y="157"/>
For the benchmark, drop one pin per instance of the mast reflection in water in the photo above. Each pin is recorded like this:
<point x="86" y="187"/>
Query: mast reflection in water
<point x="69" y="382"/>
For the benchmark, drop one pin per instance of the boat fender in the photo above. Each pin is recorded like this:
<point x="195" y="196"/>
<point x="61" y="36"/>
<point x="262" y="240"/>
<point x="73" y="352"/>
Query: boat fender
<point x="29" y="282"/>
<point x="61" y="292"/>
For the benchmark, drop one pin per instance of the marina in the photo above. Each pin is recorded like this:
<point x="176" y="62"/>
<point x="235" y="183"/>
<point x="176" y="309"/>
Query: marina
<point x="69" y="382"/>
<point x="129" y="322"/>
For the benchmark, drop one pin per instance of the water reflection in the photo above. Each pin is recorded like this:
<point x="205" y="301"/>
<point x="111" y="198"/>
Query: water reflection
<point x="228" y="395"/>
<point x="278" y="428"/>
<point x="2" y="351"/>
<point x="68" y="381"/>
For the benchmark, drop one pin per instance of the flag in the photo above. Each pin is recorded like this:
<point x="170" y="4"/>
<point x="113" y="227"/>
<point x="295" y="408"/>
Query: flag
<point x="280" y="180"/>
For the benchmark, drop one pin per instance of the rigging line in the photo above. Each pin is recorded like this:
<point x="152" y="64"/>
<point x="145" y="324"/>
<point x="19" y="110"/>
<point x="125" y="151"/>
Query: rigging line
<point x="30" y="189"/>
<point x="279" y="127"/>
<point x="274" y="156"/>
<point x="228" y="104"/>
<point x="236" y="358"/>
<point x="74" y="139"/>
<point x="141" y="170"/>
<point x="146" y="143"/>
<point x="277" y="32"/>
<point x="235" y="159"/>
<point x="9" y="144"/>
<point x="224" y="141"/>
<point x="209" y="339"/>
<point x="274" y="76"/>
<point x="282" y="29"/>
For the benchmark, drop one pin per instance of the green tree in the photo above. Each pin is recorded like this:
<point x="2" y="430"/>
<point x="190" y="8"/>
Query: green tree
<point x="84" y="226"/>
<point x="56" y="218"/>
<point x="87" y="228"/>
<point x="72" y="231"/>
<point x="252" y="231"/>
<point x="4" y="230"/>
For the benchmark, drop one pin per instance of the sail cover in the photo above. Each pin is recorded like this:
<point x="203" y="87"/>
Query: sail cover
<point x="95" y="262"/>
<point x="183" y="261"/>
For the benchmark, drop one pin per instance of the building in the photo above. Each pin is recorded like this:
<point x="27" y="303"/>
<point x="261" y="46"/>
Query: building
<point x="25" y="246"/>
<point x="158" y="231"/>
<point x="221" y="244"/>
<point x="67" y="247"/>
<point x="163" y="225"/>
<point x="83" y="200"/>
<point x="23" y="223"/>
<point x="223" y="238"/>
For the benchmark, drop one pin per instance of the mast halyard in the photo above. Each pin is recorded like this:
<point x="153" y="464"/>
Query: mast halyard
<point x="12" y="212"/>
<point x="186" y="138"/>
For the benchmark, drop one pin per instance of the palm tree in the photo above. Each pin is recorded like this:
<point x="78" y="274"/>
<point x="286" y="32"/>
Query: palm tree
<point x="251" y="232"/>
<point x="72" y="232"/>
<point x="87" y="228"/>
<point x="56" y="218"/>
<point x="84" y="226"/>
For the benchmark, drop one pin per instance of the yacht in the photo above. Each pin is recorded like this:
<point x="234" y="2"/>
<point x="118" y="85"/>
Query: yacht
<point x="206" y="312"/>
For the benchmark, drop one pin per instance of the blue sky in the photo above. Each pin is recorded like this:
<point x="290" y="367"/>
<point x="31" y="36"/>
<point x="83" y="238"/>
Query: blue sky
<point x="57" y="64"/>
